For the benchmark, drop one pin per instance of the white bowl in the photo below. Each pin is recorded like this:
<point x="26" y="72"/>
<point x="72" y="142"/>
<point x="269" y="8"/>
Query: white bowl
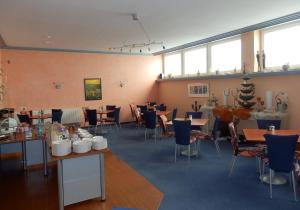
<point x="61" y="147"/>
<point x="81" y="146"/>
<point x="99" y="143"/>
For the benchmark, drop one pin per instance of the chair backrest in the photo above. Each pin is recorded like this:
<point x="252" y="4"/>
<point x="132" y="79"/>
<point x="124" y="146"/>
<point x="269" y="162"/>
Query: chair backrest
<point x="281" y="151"/>
<point x="84" y="113"/>
<point x="174" y="114"/>
<point x="152" y="103"/>
<point x="150" y="119"/>
<point x="24" y="118"/>
<point x="56" y="115"/>
<point x="216" y="128"/>
<point x="137" y="113"/>
<point x="117" y="115"/>
<point x="264" y="124"/>
<point x="161" y="107"/>
<point x="132" y="109"/>
<point x="164" y="121"/>
<point x="182" y="130"/>
<point x="143" y="108"/>
<point x="234" y="138"/>
<point x="91" y="116"/>
<point x="195" y="115"/>
<point x="110" y="107"/>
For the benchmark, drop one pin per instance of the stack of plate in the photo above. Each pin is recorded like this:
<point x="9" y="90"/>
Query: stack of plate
<point x="99" y="142"/>
<point x="81" y="146"/>
<point x="61" y="147"/>
<point x="84" y="133"/>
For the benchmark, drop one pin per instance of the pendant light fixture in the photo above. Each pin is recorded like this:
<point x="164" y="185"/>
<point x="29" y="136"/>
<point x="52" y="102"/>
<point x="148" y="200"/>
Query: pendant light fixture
<point x="149" y="45"/>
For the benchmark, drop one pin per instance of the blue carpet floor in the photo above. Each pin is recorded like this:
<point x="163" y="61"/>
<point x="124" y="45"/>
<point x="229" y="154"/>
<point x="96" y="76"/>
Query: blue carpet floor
<point x="202" y="183"/>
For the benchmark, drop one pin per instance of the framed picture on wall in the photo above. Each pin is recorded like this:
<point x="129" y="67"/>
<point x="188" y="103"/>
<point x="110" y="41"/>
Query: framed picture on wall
<point x="198" y="90"/>
<point x="92" y="89"/>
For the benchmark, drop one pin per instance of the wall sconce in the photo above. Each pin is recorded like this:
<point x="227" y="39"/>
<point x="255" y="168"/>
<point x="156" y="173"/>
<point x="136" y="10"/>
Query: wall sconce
<point x="122" y="84"/>
<point x="58" y="85"/>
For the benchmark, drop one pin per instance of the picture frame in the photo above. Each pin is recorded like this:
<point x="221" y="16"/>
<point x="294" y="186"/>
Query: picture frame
<point x="198" y="90"/>
<point x="92" y="89"/>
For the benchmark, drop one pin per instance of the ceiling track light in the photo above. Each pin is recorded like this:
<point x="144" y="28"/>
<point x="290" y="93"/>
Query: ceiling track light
<point x="150" y="44"/>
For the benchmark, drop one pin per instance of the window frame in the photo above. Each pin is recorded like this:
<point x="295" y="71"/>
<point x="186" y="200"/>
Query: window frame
<point x="222" y="41"/>
<point x="192" y="49"/>
<point x="169" y="54"/>
<point x="273" y="29"/>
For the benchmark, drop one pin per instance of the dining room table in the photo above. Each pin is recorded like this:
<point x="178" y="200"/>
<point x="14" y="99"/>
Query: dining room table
<point x="102" y="112"/>
<point x="257" y="136"/>
<point x="194" y="122"/>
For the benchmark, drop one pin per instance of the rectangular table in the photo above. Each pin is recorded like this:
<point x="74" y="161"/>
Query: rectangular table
<point x="195" y="122"/>
<point x="20" y="138"/>
<point x="80" y="177"/>
<point x="257" y="135"/>
<point x="158" y="112"/>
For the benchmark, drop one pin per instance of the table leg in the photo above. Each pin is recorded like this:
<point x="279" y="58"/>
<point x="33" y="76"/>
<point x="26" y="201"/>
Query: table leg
<point x="102" y="176"/>
<point x="60" y="184"/>
<point x="24" y="155"/>
<point x="45" y="158"/>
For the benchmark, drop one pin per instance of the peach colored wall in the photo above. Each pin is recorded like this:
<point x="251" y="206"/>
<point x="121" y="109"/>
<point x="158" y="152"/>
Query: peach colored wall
<point x="30" y="77"/>
<point x="174" y="93"/>
<point x="1" y="80"/>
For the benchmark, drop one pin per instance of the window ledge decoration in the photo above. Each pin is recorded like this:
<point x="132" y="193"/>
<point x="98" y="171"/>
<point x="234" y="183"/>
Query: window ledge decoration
<point x="235" y="75"/>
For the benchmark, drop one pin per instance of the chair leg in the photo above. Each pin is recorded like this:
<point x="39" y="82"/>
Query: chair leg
<point x="258" y="159"/>
<point x="217" y="147"/>
<point x="175" y="152"/>
<point x="199" y="146"/>
<point x="189" y="152"/>
<point x="196" y="148"/>
<point x="294" y="185"/>
<point x="270" y="180"/>
<point x="145" y="134"/>
<point x="232" y="164"/>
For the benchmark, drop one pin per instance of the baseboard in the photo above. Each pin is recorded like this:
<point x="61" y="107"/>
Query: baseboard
<point x="11" y="155"/>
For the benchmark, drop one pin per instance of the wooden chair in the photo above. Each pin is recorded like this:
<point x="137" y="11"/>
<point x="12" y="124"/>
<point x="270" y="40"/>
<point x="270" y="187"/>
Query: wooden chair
<point x="252" y="152"/>
<point x="132" y="109"/>
<point x="164" y="126"/>
<point x="85" y="114"/>
<point x="138" y="117"/>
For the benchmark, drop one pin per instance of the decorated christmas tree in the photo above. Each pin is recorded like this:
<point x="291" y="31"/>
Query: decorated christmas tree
<point x="246" y="93"/>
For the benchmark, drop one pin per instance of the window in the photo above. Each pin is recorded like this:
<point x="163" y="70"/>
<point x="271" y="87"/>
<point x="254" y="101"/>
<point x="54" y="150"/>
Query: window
<point x="226" y="56"/>
<point x="172" y="64"/>
<point x="281" y="46"/>
<point x="195" y="60"/>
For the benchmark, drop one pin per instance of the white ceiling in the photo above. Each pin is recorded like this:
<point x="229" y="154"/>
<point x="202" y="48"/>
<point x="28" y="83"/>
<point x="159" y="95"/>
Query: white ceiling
<point x="97" y="25"/>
